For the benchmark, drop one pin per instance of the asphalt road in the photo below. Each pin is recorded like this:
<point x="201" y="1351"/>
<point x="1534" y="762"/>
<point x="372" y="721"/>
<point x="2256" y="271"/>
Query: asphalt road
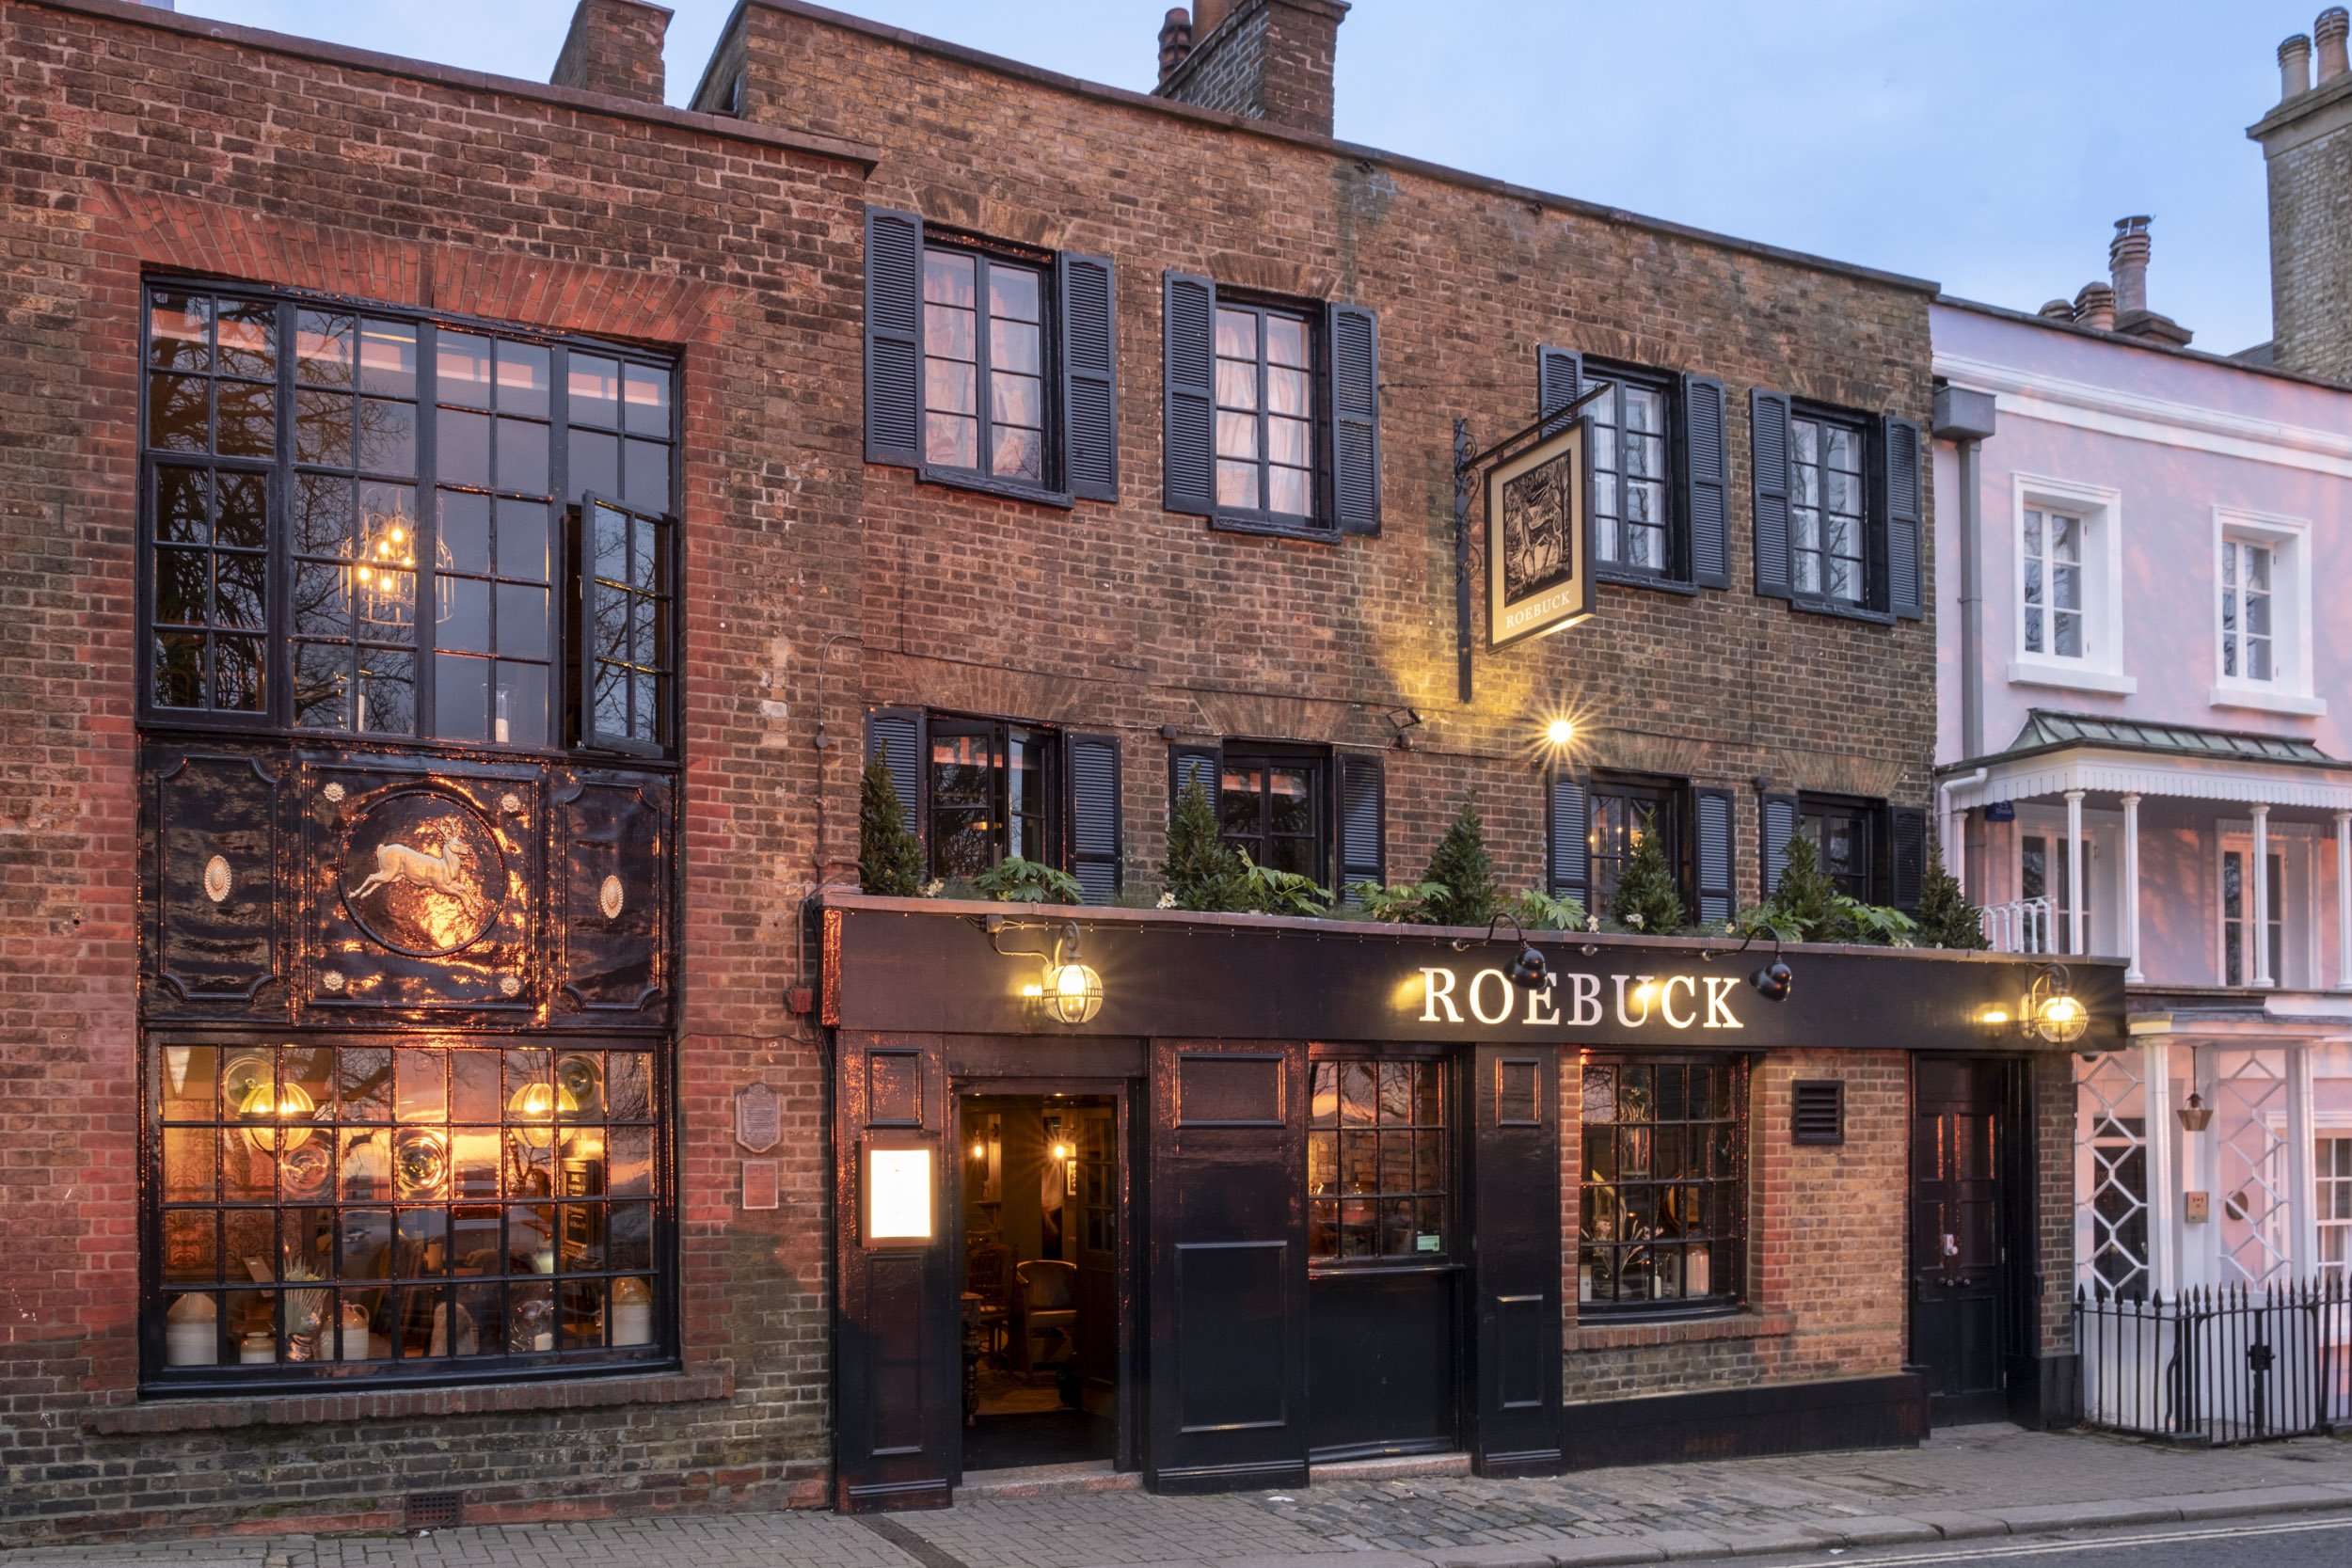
<point x="2250" y="1543"/>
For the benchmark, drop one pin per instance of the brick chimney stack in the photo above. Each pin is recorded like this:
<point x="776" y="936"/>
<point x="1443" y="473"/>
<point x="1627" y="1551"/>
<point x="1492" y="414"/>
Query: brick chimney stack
<point x="614" y="47"/>
<point x="1175" y="41"/>
<point x="2094" y="306"/>
<point x="2307" y="153"/>
<point x="2127" y="265"/>
<point x="1261" y="59"/>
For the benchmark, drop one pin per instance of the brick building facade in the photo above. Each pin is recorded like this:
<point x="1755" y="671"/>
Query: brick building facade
<point x="771" y="283"/>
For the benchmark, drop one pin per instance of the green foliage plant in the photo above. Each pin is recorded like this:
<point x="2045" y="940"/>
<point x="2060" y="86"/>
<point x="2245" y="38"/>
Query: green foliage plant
<point x="1946" y="918"/>
<point x="1397" y="904"/>
<point x="889" y="857"/>
<point x="1648" y="898"/>
<point x="1014" y="880"/>
<point x="1266" y="891"/>
<point x="1200" y="870"/>
<point x="1538" y="911"/>
<point x="1462" y="866"/>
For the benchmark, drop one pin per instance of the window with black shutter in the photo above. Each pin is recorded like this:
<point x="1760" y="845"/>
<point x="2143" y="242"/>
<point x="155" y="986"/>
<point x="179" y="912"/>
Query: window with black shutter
<point x="1568" y="855"/>
<point x="989" y="365"/>
<point x="1838" y="520"/>
<point x="1273" y="804"/>
<point x="1623" y="813"/>
<point x="978" y="790"/>
<point x="1272" y="412"/>
<point x="1848" y="838"/>
<point x="1659" y="470"/>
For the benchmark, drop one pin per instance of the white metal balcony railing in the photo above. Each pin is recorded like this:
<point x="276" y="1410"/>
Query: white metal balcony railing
<point x="2023" y="925"/>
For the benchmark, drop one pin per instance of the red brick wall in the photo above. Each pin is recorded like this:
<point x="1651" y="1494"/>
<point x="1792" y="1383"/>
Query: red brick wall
<point x="134" y="143"/>
<point x="1126" y="617"/>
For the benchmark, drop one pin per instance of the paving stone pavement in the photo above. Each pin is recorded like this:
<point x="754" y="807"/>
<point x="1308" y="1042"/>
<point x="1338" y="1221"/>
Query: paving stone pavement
<point x="1966" y="1482"/>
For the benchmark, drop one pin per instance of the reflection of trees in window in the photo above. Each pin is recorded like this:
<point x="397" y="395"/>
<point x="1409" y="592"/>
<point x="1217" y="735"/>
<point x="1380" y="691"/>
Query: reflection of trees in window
<point x="1377" y="1160"/>
<point x="992" y="787"/>
<point x="629" y="628"/>
<point x="1270" y="806"/>
<point x="1663" y="1217"/>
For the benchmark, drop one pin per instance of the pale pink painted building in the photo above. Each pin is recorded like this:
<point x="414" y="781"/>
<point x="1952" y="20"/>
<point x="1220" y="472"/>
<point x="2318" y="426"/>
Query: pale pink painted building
<point x="2145" y="738"/>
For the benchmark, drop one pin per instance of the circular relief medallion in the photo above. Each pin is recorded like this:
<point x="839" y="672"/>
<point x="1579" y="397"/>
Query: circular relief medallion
<point x="331" y="981"/>
<point x="334" y="794"/>
<point x="217" y="879"/>
<point x="610" y="897"/>
<point x="423" y="874"/>
<point x="511" y="803"/>
<point x="510" y="984"/>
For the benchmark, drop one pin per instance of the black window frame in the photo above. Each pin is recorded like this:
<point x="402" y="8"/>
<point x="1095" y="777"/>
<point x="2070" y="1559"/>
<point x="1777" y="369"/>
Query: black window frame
<point x="999" y="732"/>
<point x="1676" y="574"/>
<point x="1670" y="798"/>
<point x="1266" y="756"/>
<point x="1727" y="1242"/>
<point x="285" y="467"/>
<point x="1442" y="1200"/>
<point x="1320" y="521"/>
<point x="1052" y="486"/>
<point x="564" y="1204"/>
<point x="1873" y="883"/>
<point x="1870" y="516"/>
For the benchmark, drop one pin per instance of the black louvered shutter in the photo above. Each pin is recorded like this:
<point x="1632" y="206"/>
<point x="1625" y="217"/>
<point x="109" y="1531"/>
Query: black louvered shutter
<point x="1908" y="828"/>
<point x="894" y="322"/>
<point x="1706" y="480"/>
<point x="1188" y="395"/>
<point x="1713" y="810"/>
<point x="1092" y="762"/>
<point x="1188" y="765"/>
<point x="1776" y="819"/>
<point x="895" y="733"/>
<point x="1089" y="396"/>
<point x="1363" y="822"/>
<point x="1768" y="426"/>
<point x="1906" y="578"/>
<point x="1571" y="850"/>
<point x="1559" y="382"/>
<point x="1354" y="399"/>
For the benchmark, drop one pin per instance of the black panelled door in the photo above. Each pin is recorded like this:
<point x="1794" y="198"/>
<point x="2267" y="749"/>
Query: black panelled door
<point x="1959" y="1268"/>
<point x="1511" y="1104"/>
<point x="1228" y="1267"/>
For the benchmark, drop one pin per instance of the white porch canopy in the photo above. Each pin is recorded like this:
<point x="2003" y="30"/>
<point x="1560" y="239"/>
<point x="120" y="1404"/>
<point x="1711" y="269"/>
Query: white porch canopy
<point x="2072" y="755"/>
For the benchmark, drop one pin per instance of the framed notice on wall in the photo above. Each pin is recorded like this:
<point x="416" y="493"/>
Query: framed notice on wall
<point x="1539" y="565"/>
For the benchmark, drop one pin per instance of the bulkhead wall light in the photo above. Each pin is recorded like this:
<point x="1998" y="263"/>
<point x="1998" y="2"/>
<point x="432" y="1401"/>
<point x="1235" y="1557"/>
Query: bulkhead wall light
<point x="1068" y="992"/>
<point x="2052" y="1009"/>
<point x="1529" y="969"/>
<point x="1772" y="979"/>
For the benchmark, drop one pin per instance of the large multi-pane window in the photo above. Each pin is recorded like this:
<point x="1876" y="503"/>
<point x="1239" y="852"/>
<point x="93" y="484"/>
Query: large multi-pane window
<point x="385" y="1207"/>
<point x="1270" y="806"/>
<point x="1828" y="509"/>
<point x="1264" y="412"/>
<point x="1624" y="814"/>
<point x="1845" y="843"/>
<point x="1631" y="525"/>
<point x="992" y="787"/>
<point x="2331" y="1166"/>
<point x="1377" y="1157"/>
<point x="2246" y="623"/>
<point x="2237" y="902"/>
<point x="2053" y="589"/>
<point x="408" y="482"/>
<point x="1663" y="1221"/>
<point x="984" y="365"/>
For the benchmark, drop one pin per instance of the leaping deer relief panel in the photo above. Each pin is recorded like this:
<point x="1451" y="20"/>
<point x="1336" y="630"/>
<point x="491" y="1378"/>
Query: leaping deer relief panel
<point x="427" y="890"/>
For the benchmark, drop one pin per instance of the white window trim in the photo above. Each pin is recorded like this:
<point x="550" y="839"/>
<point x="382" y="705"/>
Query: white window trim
<point x="2295" y="845"/>
<point x="2101" y="509"/>
<point x="2291" y="627"/>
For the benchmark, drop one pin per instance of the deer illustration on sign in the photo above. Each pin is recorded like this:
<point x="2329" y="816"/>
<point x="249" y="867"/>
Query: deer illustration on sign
<point x="443" y="873"/>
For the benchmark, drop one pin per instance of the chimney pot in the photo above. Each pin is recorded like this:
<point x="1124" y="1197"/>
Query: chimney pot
<point x="2058" y="310"/>
<point x="2295" y="67"/>
<point x="2094" y="306"/>
<point x="2329" y="30"/>
<point x="1175" y="39"/>
<point x="2127" y="265"/>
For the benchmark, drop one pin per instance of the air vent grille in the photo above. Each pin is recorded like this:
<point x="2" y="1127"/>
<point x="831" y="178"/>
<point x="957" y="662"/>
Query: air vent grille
<point x="1818" y="1111"/>
<point x="432" y="1510"/>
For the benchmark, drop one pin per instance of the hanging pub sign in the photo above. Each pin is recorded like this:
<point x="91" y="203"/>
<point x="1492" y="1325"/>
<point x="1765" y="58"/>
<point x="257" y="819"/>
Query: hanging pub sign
<point x="1539" y="563"/>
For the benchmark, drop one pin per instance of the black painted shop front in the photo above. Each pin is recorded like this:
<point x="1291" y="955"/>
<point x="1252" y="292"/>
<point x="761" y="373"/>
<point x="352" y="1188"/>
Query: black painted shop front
<point x="1117" y="1227"/>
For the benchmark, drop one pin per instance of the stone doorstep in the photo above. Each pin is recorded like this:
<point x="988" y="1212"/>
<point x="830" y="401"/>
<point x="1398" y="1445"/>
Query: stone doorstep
<point x="1047" y="1481"/>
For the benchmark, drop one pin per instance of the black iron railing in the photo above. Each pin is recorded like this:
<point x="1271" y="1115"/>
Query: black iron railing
<point x="2232" y="1363"/>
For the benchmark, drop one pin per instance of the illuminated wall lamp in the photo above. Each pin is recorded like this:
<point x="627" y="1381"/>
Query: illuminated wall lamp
<point x="1068" y="991"/>
<point x="2052" y="1010"/>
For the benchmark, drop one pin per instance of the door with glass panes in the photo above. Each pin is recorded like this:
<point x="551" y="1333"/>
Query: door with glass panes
<point x="1385" y="1259"/>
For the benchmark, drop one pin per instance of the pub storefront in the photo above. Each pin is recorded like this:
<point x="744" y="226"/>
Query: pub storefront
<point x="1218" y="1198"/>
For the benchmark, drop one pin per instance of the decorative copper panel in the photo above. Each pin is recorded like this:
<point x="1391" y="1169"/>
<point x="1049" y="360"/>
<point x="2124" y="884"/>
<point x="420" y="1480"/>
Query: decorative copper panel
<point x="425" y="881"/>
<point x="613" y="843"/>
<point x="1228" y="1090"/>
<point x="1518" y="1092"/>
<point x="894" y="1088"/>
<point x="213" y="877"/>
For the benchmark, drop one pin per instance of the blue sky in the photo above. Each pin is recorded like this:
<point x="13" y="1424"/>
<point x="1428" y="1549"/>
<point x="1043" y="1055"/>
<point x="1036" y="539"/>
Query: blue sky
<point x="1986" y="144"/>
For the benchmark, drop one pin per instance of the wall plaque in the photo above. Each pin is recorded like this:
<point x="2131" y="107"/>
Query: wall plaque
<point x="759" y="1184"/>
<point x="756" y="1119"/>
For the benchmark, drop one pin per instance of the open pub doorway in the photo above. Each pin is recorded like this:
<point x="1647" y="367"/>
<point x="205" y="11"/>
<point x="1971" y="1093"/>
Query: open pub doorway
<point x="1042" y="1216"/>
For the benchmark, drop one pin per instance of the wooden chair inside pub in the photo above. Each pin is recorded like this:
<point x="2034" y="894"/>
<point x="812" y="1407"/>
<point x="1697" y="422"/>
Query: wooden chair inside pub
<point x="1045" y="1308"/>
<point x="986" y="1277"/>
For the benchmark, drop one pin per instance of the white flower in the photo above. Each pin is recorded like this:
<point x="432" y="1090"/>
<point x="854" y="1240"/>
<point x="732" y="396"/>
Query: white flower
<point x="1592" y="923"/>
<point x="1634" y="920"/>
<point x="1168" y="901"/>
<point x="933" y="888"/>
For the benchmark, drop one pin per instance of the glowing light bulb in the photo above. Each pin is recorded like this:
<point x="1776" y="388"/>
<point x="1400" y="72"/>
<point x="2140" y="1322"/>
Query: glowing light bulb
<point x="1560" y="732"/>
<point x="1071" y="980"/>
<point x="1061" y="1152"/>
